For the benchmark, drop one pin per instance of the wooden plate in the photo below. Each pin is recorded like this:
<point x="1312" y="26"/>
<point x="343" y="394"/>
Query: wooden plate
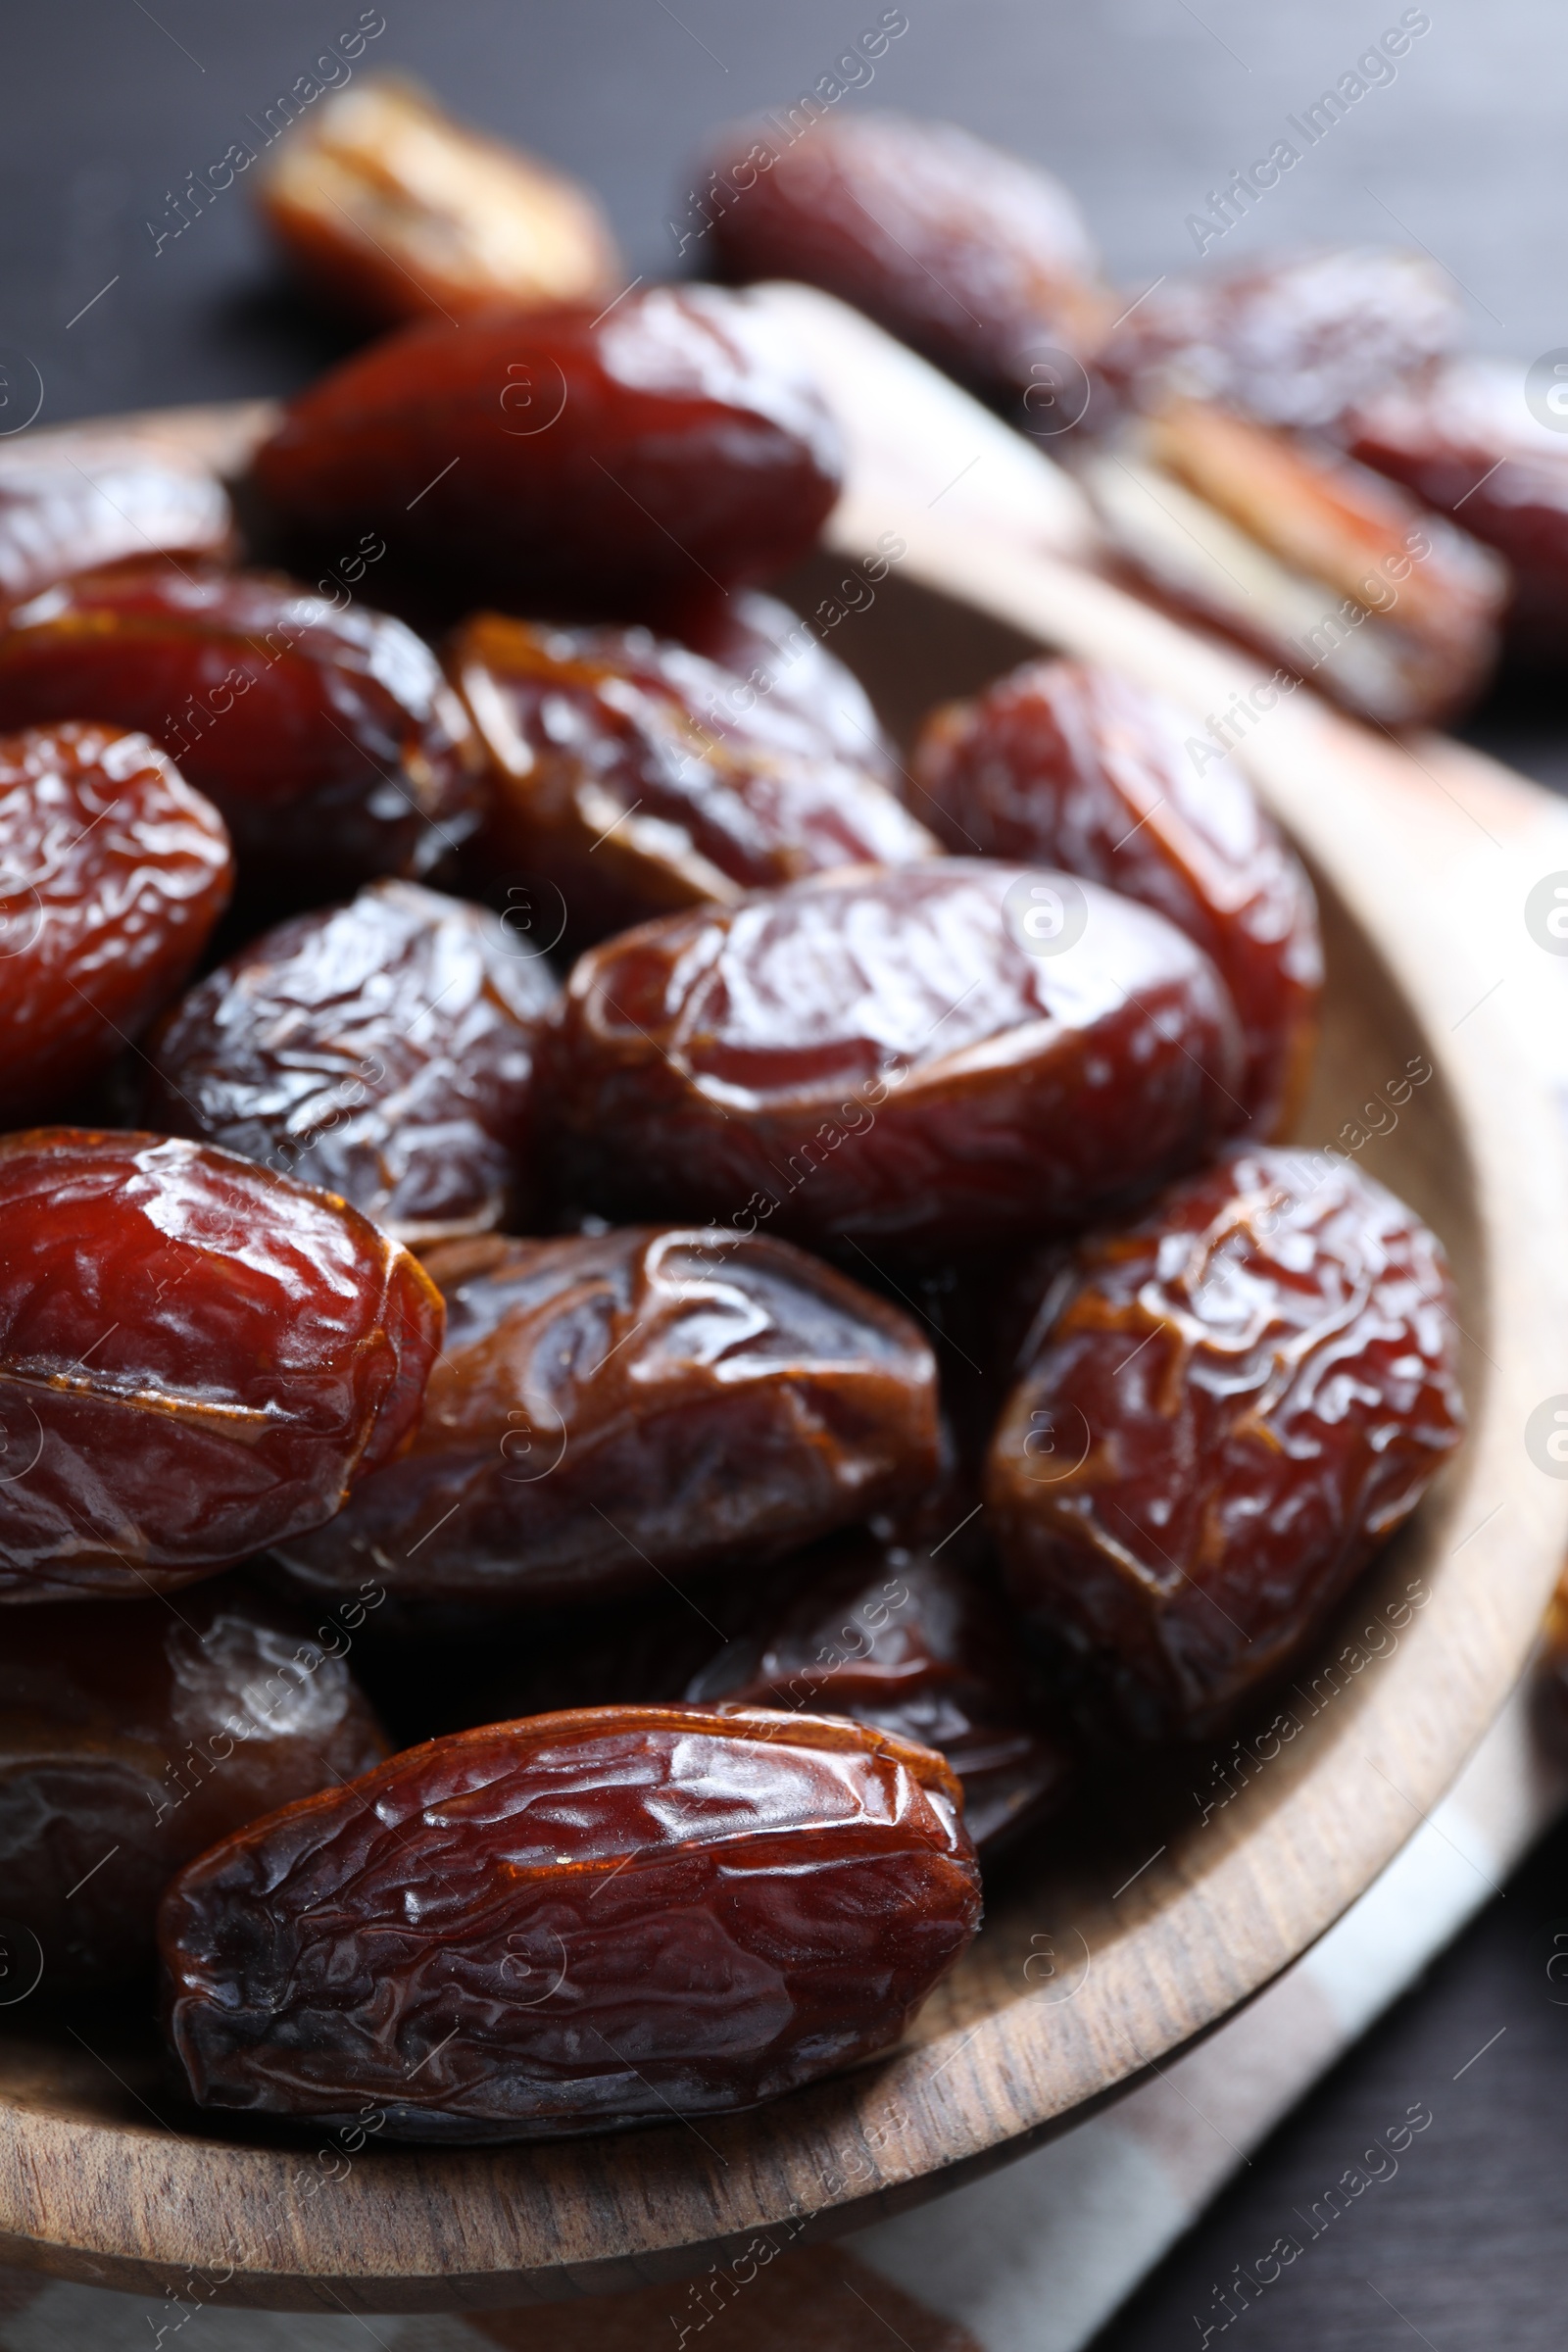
<point x="1096" y="1964"/>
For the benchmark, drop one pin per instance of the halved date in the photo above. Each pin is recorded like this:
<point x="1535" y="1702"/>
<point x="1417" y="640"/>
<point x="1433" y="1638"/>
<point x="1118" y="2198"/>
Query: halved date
<point x="942" y="1054"/>
<point x="612" y="1410"/>
<point x="327" y="735"/>
<point x="113" y="872"/>
<point x="130" y="1737"/>
<point x="570" y="458"/>
<point x="572" y="1924"/>
<point x="108" y="499"/>
<point x="1064" y="765"/>
<point x="1243" y="1396"/>
<point x="634" y="776"/>
<point x="383" y="1050"/>
<point x="197" y="1359"/>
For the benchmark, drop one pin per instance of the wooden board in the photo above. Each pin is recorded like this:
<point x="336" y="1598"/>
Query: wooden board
<point x="1099" y="1959"/>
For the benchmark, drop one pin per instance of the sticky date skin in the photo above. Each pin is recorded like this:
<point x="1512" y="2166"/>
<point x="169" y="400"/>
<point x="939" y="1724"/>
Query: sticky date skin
<point x="383" y="1051"/>
<point x="576" y="460"/>
<point x="197" y="1358"/>
<point x="326" y="736"/>
<point x="1063" y="764"/>
<point x="1244" y="1393"/>
<point x="113" y="872"/>
<point x="612" y="1410"/>
<point x="636" y="777"/>
<point x="878" y="1055"/>
<point x="112" y="499"/>
<point x="131" y="1738"/>
<point x="572" y="1924"/>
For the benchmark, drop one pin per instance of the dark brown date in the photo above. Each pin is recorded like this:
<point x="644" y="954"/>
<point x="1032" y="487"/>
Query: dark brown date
<point x="944" y="1053"/>
<point x="572" y="1924"/>
<point x="978" y="260"/>
<point x="903" y="1642"/>
<point x="326" y="736"/>
<point x="1243" y="1396"/>
<point x="634" y="776"/>
<point x="383" y="1051"/>
<point x="108" y="499"/>
<point x="609" y="1410"/>
<point x="1062" y="764"/>
<point x="197" y="1359"/>
<point x="112" y="873"/>
<point x="776" y="653"/>
<point x="570" y="460"/>
<point x="390" y="209"/>
<point x="132" y="1736"/>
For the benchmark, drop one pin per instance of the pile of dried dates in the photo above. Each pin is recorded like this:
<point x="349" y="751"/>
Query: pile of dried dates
<point x="564" y="1203"/>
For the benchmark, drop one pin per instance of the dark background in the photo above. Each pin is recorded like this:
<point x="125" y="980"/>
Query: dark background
<point x="1142" y="106"/>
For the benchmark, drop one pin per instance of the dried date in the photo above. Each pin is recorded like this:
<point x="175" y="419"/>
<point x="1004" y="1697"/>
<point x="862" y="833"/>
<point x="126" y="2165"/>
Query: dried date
<point x="197" y="1359"/>
<point x="578" y="1921"/>
<point x="1063" y="764"/>
<point x="113" y="872"/>
<point x="612" y="1410"/>
<point x="131" y="1738"/>
<point x="383" y="1050"/>
<point x="1243" y="1396"/>
<point x="775" y="654"/>
<point x="107" y="501"/>
<point x="926" y="1055"/>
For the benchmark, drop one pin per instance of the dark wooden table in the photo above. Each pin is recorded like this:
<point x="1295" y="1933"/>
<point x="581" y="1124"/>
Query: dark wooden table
<point x="1144" y="106"/>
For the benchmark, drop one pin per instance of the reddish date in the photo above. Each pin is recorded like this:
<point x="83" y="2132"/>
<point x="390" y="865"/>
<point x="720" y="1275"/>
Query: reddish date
<point x="927" y="1055"/>
<point x="107" y="501"/>
<point x="1066" y="766"/>
<point x="197" y="1359"/>
<point x="775" y="655"/>
<point x="978" y="260"/>
<point x="609" y="1410"/>
<point x="1243" y="1396"/>
<point x="383" y="1050"/>
<point x="634" y="776"/>
<point x="131" y="1738"/>
<point x="328" y="737"/>
<point x="902" y="1642"/>
<point x="579" y="1922"/>
<point x="112" y="873"/>
<point x="570" y="458"/>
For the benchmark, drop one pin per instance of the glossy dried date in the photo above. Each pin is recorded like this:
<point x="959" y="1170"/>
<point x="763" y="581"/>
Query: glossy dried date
<point x="392" y="210"/>
<point x="383" y="1051"/>
<point x="776" y="653"/>
<point x="108" y="499"/>
<point x="1243" y="1396"/>
<point x="903" y="1642"/>
<point x="112" y="873"/>
<point x="197" y="1359"/>
<point x="325" y="735"/>
<point x="611" y="1410"/>
<point x="634" y="776"/>
<point x="978" y="260"/>
<point x="572" y="1924"/>
<point x="570" y="460"/>
<point x="131" y="1738"/>
<point x="942" y="1053"/>
<point x="1063" y="764"/>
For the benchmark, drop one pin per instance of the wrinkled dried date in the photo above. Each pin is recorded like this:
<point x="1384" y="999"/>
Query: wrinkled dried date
<point x="108" y="499"/>
<point x="383" y="1050"/>
<point x="635" y="776"/>
<point x="568" y="458"/>
<point x="387" y="205"/>
<point x="1062" y="764"/>
<point x="775" y="654"/>
<point x="197" y="1358"/>
<point x="326" y="736"/>
<point x="131" y="1738"/>
<point x="577" y="1922"/>
<point x="925" y="1055"/>
<point x="1243" y="1395"/>
<point x="112" y="873"/>
<point x="978" y="260"/>
<point x="608" y="1410"/>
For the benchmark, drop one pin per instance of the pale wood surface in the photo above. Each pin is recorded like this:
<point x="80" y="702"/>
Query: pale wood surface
<point x="1423" y="858"/>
